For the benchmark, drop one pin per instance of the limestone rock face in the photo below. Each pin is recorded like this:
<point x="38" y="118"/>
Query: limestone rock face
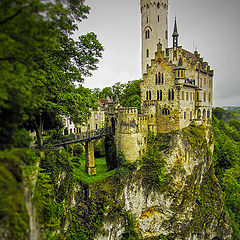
<point x="189" y="207"/>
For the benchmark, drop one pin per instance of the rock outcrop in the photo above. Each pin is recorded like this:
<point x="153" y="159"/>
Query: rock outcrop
<point x="189" y="206"/>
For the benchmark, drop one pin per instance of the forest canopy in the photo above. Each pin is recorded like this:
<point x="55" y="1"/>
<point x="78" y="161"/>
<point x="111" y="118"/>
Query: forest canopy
<point x="40" y="64"/>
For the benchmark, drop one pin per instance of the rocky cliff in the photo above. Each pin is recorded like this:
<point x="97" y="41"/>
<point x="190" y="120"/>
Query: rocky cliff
<point x="170" y="193"/>
<point x="187" y="206"/>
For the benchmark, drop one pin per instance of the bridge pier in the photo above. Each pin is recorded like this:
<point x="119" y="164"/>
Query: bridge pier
<point x="90" y="166"/>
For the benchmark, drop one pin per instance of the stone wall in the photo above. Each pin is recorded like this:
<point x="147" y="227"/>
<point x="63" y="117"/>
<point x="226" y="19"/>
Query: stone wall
<point x="131" y="133"/>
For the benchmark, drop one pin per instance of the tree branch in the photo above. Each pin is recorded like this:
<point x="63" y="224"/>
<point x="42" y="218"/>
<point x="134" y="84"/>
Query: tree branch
<point x="11" y="17"/>
<point x="6" y="58"/>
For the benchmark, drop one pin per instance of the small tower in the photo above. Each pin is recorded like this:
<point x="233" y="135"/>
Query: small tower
<point x="175" y="36"/>
<point x="154" y="29"/>
<point x="180" y="73"/>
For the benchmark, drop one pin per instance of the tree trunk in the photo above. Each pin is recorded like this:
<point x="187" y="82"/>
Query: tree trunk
<point x="39" y="130"/>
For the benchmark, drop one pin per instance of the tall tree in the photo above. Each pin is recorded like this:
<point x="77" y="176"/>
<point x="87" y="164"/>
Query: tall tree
<point x="40" y="63"/>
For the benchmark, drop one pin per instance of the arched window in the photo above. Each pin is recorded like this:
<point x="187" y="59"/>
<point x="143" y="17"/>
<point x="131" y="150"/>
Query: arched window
<point x="158" y="5"/>
<point x="166" y="34"/>
<point x="209" y="97"/>
<point x="147" y="95"/>
<point x="187" y="96"/>
<point x="160" y="95"/>
<point x="182" y="95"/>
<point x="197" y="96"/>
<point x="185" y="115"/>
<point x="169" y="95"/>
<point x="204" y="114"/>
<point x="208" y="113"/>
<point x="150" y="95"/>
<point x="199" y="114"/>
<point x="158" y="18"/>
<point x="165" y="111"/>
<point x="147" y="34"/>
<point x="204" y="97"/>
<point x="156" y="80"/>
<point x="190" y="116"/>
<point x="162" y="78"/>
<point x="147" y="19"/>
<point x="157" y="94"/>
<point x="147" y="6"/>
<point x="172" y="94"/>
<point x="159" y="78"/>
<point x="147" y="53"/>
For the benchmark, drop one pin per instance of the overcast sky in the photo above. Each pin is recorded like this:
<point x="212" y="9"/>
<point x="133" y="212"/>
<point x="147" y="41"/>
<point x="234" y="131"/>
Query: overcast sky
<point x="213" y="25"/>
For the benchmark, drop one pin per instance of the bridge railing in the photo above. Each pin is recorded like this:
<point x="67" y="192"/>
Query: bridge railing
<point x="81" y="137"/>
<point x="93" y="134"/>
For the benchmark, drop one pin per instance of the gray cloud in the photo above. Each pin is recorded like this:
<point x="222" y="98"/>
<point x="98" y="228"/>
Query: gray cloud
<point x="211" y="24"/>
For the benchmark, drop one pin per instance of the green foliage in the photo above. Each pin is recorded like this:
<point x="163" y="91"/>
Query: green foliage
<point x="13" y="213"/>
<point x="153" y="164"/>
<point x="209" y="204"/>
<point x="99" y="148"/>
<point x="21" y="138"/>
<point x="130" y="229"/>
<point x="78" y="150"/>
<point x="129" y="94"/>
<point x="79" y="173"/>
<point x="227" y="164"/>
<point x="40" y="63"/>
<point x="196" y="135"/>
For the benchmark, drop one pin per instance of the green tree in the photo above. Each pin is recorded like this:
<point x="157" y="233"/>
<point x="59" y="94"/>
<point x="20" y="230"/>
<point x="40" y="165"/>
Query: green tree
<point x="40" y="63"/>
<point x="131" y="96"/>
<point x="227" y="164"/>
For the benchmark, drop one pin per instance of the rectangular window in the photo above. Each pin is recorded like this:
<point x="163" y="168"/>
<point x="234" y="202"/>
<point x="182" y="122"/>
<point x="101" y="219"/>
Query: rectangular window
<point x="187" y="96"/>
<point x="191" y="96"/>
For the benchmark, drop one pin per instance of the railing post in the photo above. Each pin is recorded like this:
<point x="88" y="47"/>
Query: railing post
<point x="90" y="167"/>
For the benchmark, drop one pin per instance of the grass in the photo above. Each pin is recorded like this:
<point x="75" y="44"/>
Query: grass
<point x="101" y="167"/>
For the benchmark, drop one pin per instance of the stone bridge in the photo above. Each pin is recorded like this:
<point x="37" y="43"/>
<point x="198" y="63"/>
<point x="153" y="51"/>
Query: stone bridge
<point x="86" y="136"/>
<point x="87" y="139"/>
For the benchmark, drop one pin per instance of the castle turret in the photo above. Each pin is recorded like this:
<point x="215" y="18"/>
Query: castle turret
<point x="180" y="73"/>
<point x="154" y="29"/>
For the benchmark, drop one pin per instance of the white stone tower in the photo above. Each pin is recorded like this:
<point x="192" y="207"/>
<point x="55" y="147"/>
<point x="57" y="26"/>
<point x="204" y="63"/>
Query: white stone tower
<point x="154" y="29"/>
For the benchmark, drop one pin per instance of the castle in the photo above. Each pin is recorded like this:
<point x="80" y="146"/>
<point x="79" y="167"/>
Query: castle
<point x="176" y="87"/>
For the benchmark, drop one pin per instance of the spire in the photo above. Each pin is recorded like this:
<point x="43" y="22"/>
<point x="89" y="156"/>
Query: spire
<point x="175" y="31"/>
<point x="175" y="35"/>
<point x="180" y="62"/>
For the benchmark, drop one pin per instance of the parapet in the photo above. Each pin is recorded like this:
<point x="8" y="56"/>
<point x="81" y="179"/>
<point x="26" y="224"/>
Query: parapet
<point x="128" y="110"/>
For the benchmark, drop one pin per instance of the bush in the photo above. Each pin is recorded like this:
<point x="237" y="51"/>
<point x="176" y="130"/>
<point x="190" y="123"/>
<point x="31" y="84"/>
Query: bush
<point x="77" y="150"/>
<point x="99" y="149"/>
